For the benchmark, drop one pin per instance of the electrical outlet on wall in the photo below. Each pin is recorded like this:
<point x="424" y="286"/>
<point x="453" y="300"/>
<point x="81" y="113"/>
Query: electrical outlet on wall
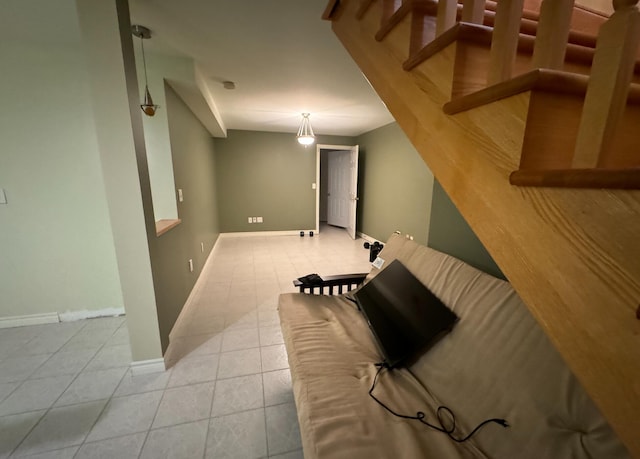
<point x="255" y="219"/>
<point x="190" y="265"/>
<point x="250" y="220"/>
<point x="259" y="219"/>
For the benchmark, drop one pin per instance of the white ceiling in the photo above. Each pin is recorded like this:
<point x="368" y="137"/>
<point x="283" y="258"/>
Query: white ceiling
<point x="283" y="57"/>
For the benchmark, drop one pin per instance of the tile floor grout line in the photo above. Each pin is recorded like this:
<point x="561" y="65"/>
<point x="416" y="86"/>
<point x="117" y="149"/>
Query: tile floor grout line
<point x="266" y="429"/>
<point x="48" y="410"/>
<point x="20" y="383"/>
<point x="155" y="414"/>
<point x="84" y="440"/>
<point x="27" y="434"/>
<point x="206" y="437"/>
<point x="74" y="379"/>
<point x="130" y="434"/>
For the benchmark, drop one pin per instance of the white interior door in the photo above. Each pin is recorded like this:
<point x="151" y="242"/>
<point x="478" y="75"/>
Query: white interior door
<point x="338" y="197"/>
<point x="341" y="185"/>
<point x="353" y="190"/>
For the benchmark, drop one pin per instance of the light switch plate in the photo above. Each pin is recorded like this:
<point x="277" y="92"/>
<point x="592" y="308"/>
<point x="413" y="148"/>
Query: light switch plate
<point x="3" y="196"/>
<point x="180" y="197"/>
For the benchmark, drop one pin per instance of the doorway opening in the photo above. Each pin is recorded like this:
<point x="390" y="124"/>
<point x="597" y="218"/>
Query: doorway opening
<point x="337" y="186"/>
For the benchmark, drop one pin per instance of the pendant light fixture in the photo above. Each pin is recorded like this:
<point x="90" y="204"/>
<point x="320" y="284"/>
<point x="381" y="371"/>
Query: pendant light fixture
<point x="147" y="106"/>
<point x="305" y="133"/>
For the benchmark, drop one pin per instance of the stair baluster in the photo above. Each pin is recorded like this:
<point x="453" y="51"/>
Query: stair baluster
<point x="608" y="89"/>
<point x="447" y="11"/>
<point x="473" y="11"/>
<point x="505" y="40"/>
<point x="423" y="24"/>
<point x="553" y="34"/>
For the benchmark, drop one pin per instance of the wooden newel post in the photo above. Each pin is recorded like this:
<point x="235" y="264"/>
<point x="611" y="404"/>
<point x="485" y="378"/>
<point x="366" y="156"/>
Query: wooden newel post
<point x="552" y="34"/>
<point x="611" y="74"/>
<point x="504" y="44"/>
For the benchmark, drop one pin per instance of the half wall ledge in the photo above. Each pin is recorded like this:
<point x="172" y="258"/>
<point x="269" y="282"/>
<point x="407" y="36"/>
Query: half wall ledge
<point x="162" y="226"/>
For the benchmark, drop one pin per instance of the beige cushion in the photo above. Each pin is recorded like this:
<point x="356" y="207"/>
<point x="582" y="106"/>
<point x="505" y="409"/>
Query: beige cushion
<point x="331" y="354"/>
<point x="496" y="362"/>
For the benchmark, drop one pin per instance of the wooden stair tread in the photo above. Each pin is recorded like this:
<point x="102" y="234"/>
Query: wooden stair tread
<point x="578" y="178"/>
<point x="483" y="34"/>
<point x="430" y="7"/>
<point x="543" y="79"/>
<point x="528" y="26"/>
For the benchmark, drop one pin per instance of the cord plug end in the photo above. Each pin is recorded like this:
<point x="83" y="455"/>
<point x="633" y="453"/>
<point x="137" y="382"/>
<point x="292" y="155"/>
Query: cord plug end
<point x="502" y="422"/>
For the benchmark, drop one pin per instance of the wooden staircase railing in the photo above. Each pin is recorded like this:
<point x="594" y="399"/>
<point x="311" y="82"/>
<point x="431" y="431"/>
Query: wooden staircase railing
<point x="480" y="99"/>
<point x="594" y="161"/>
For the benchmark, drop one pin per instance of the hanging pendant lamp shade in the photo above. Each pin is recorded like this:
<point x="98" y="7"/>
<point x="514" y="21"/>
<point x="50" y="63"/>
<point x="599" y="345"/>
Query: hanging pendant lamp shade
<point x="305" y="133"/>
<point x="147" y="106"/>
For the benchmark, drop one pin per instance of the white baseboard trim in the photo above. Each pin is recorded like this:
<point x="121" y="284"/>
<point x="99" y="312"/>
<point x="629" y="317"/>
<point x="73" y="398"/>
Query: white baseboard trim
<point x="367" y="238"/>
<point x="71" y="316"/>
<point x="267" y="233"/>
<point x="55" y="317"/>
<point x="143" y="367"/>
<point x="31" y="319"/>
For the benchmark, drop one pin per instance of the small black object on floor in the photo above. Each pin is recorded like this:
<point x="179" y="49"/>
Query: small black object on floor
<point x="311" y="279"/>
<point x="374" y="250"/>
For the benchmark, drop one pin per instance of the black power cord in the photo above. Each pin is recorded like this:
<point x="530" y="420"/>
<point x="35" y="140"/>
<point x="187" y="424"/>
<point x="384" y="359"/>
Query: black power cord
<point x="420" y="416"/>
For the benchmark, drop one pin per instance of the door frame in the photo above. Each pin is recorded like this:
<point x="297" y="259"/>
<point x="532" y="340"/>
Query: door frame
<point x="319" y="147"/>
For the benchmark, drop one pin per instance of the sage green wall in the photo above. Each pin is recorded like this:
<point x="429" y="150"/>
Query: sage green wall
<point x="107" y="43"/>
<point x="451" y="234"/>
<point x="194" y="168"/>
<point x="268" y="175"/>
<point x="395" y="186"/>
<point x="156" y="128"/>
<point x="56" y="246"/>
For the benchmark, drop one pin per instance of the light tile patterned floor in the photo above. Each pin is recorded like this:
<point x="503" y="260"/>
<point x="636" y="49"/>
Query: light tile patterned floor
<point x="66" y="391"/>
